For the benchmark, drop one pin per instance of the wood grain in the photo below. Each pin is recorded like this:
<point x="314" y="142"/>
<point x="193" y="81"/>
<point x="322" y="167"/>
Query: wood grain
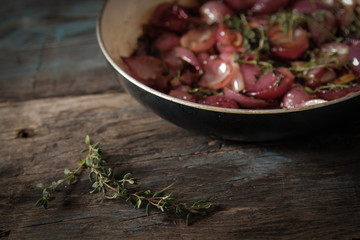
<point x="308" y="188"/>
<point x="56" y="87"/>
<point x="49" y="49"/>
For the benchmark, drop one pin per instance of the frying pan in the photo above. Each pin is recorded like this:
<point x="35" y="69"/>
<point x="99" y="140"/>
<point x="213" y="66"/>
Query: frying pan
<point x="120" y="24"/>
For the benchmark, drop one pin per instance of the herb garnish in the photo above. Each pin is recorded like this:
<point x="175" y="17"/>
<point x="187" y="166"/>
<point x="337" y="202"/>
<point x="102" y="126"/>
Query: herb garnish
<point x="327" y="87"/>
<point x="104" y="181"/>
<point x="255" y="39"/>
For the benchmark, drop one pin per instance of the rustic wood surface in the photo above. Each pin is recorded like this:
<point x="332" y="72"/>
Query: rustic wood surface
<point x="55" y="87"/>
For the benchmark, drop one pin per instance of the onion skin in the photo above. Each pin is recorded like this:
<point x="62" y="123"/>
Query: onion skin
<point x="170" y="17"/>
<point x="354" y="59"/>
<point x="144" y="68"/>
<point x="296" y="97"/>
<point x="308" y="6"/>
<point x="285" y="46"/>
<point x="214" y="11"/>
<point x="240" y="4"/>
<point x="319" y="76"/>
<point x="250" y="72"/>
<point x="335" y="94"/>
<point x="246" y="101"/>
<point x="166" y="42"/>
<point x="321" y="29"/>
<point x="220" y="101"/>
<point x="272" y="85"/>
<point x="217" y="73"/>
<point x="268" y="6"/>
<point x="228" y="40"/>
<point x="187" y="56"/>
<point x="182" y="95"/>
<point x="199" y="39"/>
<point x="340" y="52"/>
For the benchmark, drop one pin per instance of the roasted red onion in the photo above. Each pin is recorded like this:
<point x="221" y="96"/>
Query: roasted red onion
<point x="240" y="4"/>
<point x="242" y="53"/>
<point x="214" y="12"/>
<point x="246" y="101"/>
<point x="272" y="85"/>
<point x="166" y="42"/>
<point x="228" y="40"/>
<point x="217" y="73"/>
<point x="268" y="6"/>
<point x="220" y="101"/>
<point x="354" y="58"/>
<point x="318" y="76"/>
<point x="321" y="26"/>
<point x="296" y="97"/>
<point x="338" y="93"/>
<point x="308" y="6"/>
<point x="287" y="45"/>
<point x="334" y="54"/>
<point x="171" y="17"/>
<point x="199" y="39"/>
<point x="188" y="56"/>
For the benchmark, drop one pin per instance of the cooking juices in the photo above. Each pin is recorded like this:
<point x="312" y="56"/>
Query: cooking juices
<point x="253" y="54"/>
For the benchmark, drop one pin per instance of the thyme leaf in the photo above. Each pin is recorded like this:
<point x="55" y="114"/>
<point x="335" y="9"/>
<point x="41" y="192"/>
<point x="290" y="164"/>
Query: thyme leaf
<point x="328" y="87"/>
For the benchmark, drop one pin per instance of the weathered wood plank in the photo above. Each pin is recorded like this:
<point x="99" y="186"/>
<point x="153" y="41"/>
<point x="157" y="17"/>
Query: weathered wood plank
<point x="49" y="49"/>
<point x="308" y="188"/>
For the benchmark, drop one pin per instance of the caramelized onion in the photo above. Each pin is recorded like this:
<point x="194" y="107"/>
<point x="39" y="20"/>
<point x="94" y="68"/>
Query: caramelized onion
<point x="272" y="85"/>
<point x="287" y="45"/>
<point x="246" y="101"/>
<point x="240" y="4"/>
<point x="296" y="97"/>
<point x="354" y="58"/>
<point x="217" y="73"/>
<point x="214" y="11"/>
<point x="268" y="6"/>
<point x="188" y="56"/>
<point x="220" y="101"/>
<point x="199" y="39"/>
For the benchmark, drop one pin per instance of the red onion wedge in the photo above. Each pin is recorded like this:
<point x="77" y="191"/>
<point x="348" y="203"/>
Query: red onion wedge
<point x="188" y="56"/>
<point x="338" y="93"/>
<point x="182" y="95"/>
<point x="170" y="17"/>
<point x="286" y="46"/>
<point x="229" y="40"/>
<point x="220" y="101"/>
<point x="246" y="101"/>
<point x="321" y="26"/>
<point x="217" y="73"/>
<point x="166" y="42"/>
<point x="272" y="85"/>
<point x="268" y="6"/>
<point x="240" y="4"/>
<point x="145" y="68"/>
<point x="308" y="6"/>
<point x="214" y="12"/>
<point x="199" y="39"/>
<point x="354" y="58"/>
<point x="296" y="97"/>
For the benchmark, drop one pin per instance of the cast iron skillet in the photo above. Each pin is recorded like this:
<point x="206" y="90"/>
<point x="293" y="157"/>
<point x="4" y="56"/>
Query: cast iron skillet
<point x="120" y="24"/>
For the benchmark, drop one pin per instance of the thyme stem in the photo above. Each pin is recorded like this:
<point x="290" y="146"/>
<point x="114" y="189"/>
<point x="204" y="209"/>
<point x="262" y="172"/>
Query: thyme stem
<point x="104" y="181"/>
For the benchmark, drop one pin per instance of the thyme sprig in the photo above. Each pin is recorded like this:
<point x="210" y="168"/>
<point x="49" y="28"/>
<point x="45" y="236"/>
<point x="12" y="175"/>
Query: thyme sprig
<point x="288" y="20"/>
<point x="104" y="182"/>
<point x="327" y="87"/>
<point x="255" y="39"/>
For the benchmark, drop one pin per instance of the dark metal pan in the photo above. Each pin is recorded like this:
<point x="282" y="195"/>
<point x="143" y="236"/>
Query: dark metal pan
<point x="119" y="25"/>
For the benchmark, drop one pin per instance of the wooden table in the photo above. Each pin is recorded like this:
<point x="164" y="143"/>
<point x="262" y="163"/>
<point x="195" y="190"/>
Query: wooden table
<point x="55" y="87"/>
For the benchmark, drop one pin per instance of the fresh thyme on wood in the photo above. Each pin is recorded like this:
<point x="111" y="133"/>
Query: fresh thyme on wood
<point x="104" y="182"/>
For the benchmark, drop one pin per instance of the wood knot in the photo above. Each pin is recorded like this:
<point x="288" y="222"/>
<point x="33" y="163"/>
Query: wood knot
<point x="25" y="133"/>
